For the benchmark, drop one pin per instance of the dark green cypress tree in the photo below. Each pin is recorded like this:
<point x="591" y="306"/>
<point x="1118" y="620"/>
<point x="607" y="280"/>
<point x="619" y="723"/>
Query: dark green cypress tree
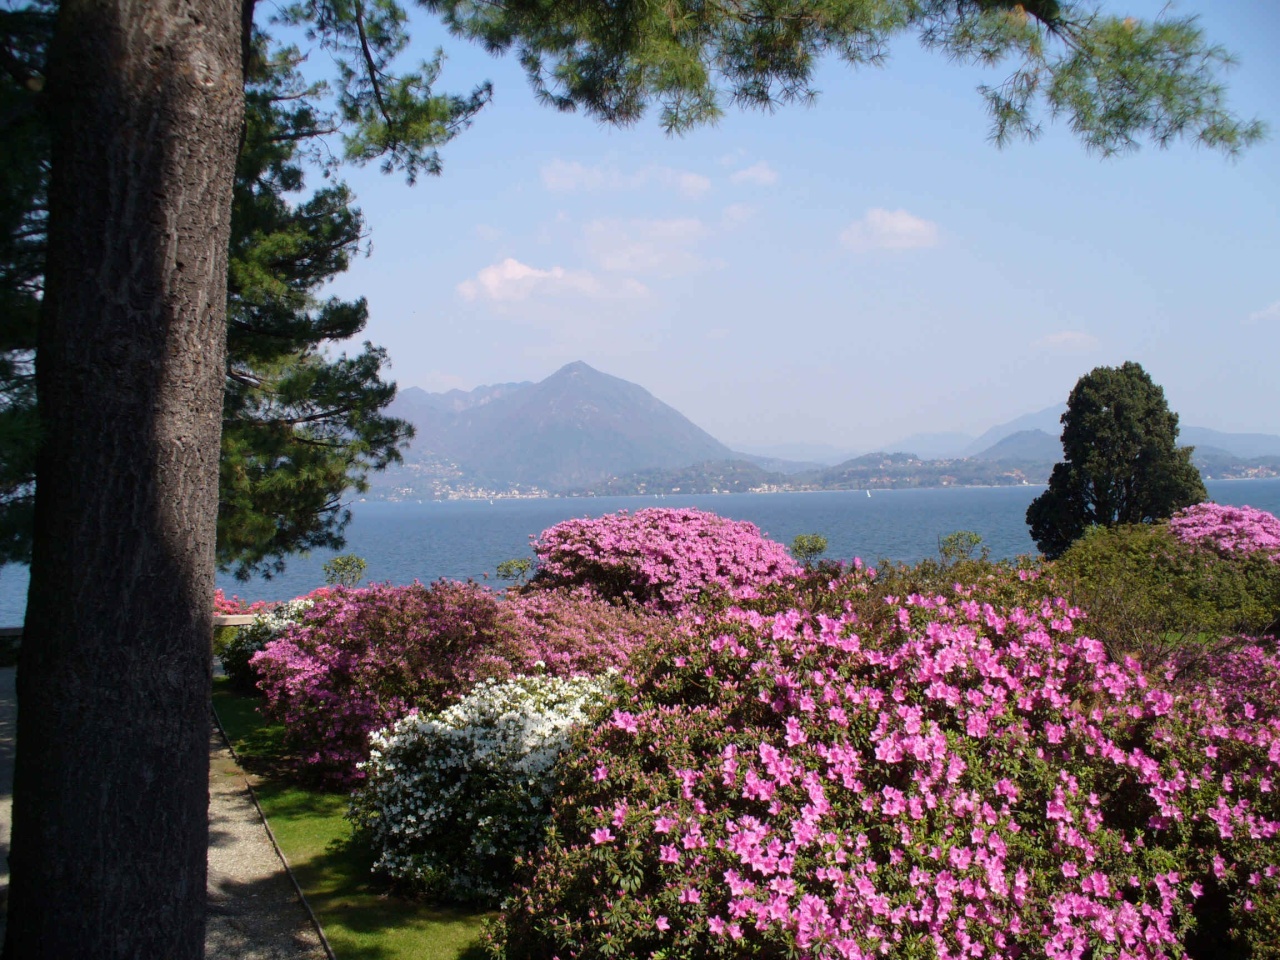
<point x="1121" y="460"/>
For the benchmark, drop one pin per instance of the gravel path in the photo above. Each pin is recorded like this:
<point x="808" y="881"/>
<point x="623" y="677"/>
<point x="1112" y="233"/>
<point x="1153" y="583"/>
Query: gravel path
<point x="254" y="911"/>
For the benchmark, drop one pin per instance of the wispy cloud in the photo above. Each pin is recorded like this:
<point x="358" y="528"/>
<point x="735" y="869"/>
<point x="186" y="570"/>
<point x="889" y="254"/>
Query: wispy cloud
<point x="882" y="229"/>
<point x="647" y="247"/>
<point x="561" y="176"/>
<point x="735" y="215"/>
<point x="1266" y="314"/>
<point x="511" y="281"/>
<point x="1073" y="341"/>
<point x="758" y="174"/>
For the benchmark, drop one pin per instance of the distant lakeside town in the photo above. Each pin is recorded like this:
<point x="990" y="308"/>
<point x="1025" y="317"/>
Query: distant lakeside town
<point x="583" y="433"/>
<point x="869" y="472"/>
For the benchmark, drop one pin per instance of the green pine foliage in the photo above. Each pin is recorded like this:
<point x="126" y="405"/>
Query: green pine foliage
<point x="1121" y="462"/>
<point x="24" y="169"/>
<point x="301" y="428"/>
<point x="1115" y="80"/>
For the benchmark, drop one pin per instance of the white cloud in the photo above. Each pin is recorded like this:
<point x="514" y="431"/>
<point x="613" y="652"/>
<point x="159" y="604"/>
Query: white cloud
<point x="690" y="184"/>
<point x="884" y="229"/>
<point x="562" y="176"/>
<point x="512" y="280"/>
<point x="758" y="174"/>
<point x="735" y="215"/>
<point x="1068" y="340"/>
<point x="655" y="247"/>
<point x="1266" y="313"/>
<point x="567" y="177"/>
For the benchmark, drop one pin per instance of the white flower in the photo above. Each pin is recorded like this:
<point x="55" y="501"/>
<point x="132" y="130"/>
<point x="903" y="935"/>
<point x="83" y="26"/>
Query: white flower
<point x="480" y="775"/>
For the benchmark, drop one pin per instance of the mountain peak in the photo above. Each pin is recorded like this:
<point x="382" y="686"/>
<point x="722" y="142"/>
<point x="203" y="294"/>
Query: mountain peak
<point x="577" y="368"/>
<point x="576" y="427"/>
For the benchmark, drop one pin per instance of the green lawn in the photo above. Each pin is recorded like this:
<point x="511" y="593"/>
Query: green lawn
<point x="361" y="919"/>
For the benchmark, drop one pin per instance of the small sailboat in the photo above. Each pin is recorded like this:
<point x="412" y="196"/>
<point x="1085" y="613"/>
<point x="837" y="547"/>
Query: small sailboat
<point x="868" y="493"/>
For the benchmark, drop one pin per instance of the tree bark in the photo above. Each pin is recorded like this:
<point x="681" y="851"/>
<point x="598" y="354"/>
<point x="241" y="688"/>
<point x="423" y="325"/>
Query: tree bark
<point x="110" y="831"/>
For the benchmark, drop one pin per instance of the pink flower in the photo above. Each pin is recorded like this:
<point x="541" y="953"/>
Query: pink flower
<point x="625" y="721"/>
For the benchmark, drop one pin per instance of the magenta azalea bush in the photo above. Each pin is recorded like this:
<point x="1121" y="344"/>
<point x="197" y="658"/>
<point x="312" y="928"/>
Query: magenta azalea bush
<point x="935" y="777"/>
<point x="1231" y="531"/>
<point x="360" y="659"/>
<point x="574" y="632"/>
<point x="663" y="558"/>
<point x="233" y="605"/>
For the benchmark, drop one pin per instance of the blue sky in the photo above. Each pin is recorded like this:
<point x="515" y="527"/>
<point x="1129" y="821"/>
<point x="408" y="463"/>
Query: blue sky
<point x="846" y="273"/>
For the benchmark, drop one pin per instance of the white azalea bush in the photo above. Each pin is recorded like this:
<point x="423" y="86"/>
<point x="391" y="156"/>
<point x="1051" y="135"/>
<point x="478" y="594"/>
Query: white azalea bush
<point x="450" y="799"/>
<point x="267" y="625"/>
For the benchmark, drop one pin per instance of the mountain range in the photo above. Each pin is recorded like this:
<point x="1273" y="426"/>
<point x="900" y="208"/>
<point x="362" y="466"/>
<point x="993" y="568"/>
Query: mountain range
<point x="583" y="431"/>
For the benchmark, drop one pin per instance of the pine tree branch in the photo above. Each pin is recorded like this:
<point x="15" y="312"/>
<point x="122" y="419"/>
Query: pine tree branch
<point x="371" y="65"/>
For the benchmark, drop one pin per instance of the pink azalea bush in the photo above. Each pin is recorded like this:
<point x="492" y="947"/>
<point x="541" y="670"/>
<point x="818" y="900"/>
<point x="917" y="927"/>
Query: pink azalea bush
<point x="233" y="605"/>
<point x="916" y="776"/>
<point x="574" y="632"/>
<point x="663" y="558"/>
<point x="1231" y="531"/>
<point x="270" y="621"/>
<point x="360" y="659"/>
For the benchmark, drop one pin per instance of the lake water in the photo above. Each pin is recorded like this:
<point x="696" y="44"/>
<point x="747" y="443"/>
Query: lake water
<point x="403" y="542"/>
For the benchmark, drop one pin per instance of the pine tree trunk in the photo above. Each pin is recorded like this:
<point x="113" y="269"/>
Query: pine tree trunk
<point x="110" y="828"/>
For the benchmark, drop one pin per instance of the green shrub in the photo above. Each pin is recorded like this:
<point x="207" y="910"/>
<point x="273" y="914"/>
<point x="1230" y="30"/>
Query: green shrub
<point x="345" y="570"/>
<point x="516" y="570"/>
<point x="808" y="547"/>
<point x="962" y="559"/>
<point x="1151" y="596"/>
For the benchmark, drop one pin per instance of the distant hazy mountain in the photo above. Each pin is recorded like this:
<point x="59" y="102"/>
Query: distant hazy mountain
<point x="799" y="453"/>
<point x="1049" y="420"/>
<point x="720" y="476"/>
<point x="455" y="401"/>
<point x="933" y="446"/>
<point x="1031" y="446"/>
<point x="1248" y="445"/>
<point x="570" y="430"/>
<point x="898" y="470"/>
<point x="778" y="465"/>
<point x="581" y="430"/>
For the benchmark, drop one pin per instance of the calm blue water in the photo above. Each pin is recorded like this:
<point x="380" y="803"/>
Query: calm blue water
<point x="458" y="539"/>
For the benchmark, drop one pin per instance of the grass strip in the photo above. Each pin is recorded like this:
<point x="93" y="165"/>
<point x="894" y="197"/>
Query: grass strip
<point x="362" y="920"/>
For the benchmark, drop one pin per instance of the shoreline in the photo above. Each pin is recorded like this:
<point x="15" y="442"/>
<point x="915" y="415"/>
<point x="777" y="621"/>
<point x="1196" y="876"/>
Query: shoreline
<point x="718" y="493"/>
